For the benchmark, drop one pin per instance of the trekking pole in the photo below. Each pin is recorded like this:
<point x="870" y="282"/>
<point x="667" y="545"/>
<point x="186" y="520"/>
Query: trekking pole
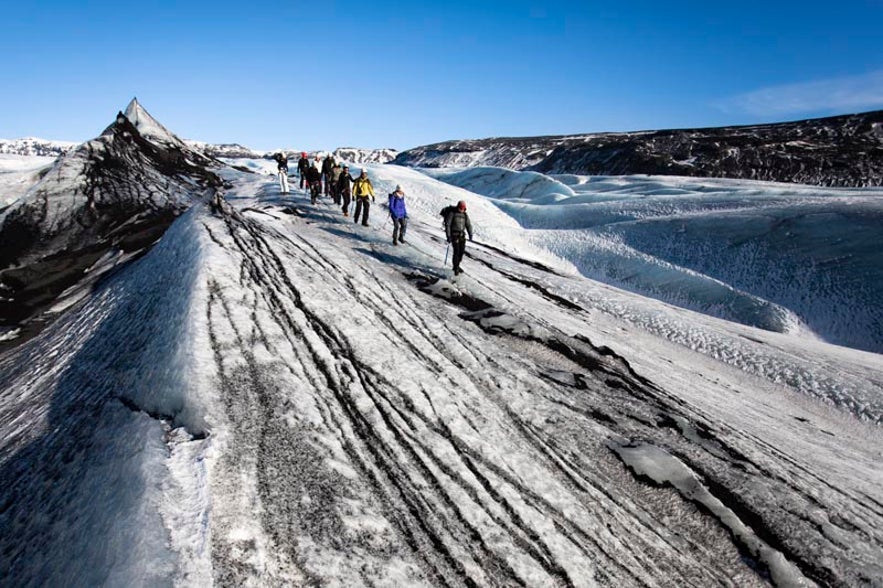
<point x="448" y="248"/>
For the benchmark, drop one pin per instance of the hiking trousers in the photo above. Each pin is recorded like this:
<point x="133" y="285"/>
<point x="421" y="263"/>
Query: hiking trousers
<point x="362" y="203"/>
<point x="398" y="229"/>
<point x="458" y="244"/>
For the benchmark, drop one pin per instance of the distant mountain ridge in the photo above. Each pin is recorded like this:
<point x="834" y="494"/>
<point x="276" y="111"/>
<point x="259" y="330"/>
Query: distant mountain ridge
<point x="227" y="150"/>
<point x="835" y="151"/>
<point x="359" y="156"/>
<point x="31" y="146"/>
<point x="237" y="151"/>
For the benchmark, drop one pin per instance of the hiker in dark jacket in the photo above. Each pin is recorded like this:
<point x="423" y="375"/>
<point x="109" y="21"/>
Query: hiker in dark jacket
<point x="333" y="182"/>
<point x="314" y="181"/>
<point x="327" y="164"/>
<point x="399" y="215"/>
<point x="457" y="225"/>
<point x="345" y="189"/>
<point x="303" y="164"/>
<point x="282" y="170"/>
<point x="362" y="190"/>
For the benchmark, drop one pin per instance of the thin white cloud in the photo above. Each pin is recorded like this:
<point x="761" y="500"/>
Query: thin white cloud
<point x="851" y="93"/>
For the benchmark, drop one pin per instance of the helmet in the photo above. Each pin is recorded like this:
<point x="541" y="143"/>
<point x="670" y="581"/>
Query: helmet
<point x="399" y="188"/>
<point x="461" y="206"/>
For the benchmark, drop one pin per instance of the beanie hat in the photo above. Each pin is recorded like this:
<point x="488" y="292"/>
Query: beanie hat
<point x="461" y="205"/>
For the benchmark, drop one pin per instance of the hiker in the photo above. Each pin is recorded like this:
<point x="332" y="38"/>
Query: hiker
<point x="399" y="215"/>
<point x="333" y="182"/>
<point x="318" y="164"/>
<point x="457" y="225"/>
<point x="303" y="164"/>
<point x="345" y="189"/>
<point x="282" y="169"/>
<point x="314" y="182"/>
<point x="362" y="189"/>
<point x="327" y="164"/>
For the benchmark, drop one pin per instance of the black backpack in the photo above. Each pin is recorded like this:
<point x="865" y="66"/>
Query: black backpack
<point x="446" y="212"/>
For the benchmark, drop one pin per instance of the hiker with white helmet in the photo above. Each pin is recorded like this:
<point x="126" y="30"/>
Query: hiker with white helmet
<point x="362" y="189"/>
<point x="314" y="182"/>
<point x="282" y="169"/>
<point x="303" y="164"/>
<point x="399" y="215"/>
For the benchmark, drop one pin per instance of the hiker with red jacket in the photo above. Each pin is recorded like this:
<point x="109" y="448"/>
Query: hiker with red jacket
<point x="457" y="225"/>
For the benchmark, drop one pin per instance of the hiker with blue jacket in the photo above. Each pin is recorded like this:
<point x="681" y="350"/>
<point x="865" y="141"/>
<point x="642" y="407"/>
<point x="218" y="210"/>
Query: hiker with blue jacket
<point x="398" y="214"/>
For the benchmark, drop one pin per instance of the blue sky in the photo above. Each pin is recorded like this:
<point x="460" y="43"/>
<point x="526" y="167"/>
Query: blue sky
<point x="320" y="75"/>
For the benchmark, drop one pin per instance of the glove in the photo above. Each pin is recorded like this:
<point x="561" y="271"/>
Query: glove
<point x="448" y="239"/>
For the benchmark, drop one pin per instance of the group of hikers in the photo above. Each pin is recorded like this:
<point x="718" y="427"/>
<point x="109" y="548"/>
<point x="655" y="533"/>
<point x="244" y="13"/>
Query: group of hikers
<point x="343" y="188"/>
<point x="336" y="180"/>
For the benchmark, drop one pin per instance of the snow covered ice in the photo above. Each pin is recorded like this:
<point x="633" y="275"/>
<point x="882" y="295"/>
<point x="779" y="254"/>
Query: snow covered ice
<point x="781" y="257"/>
<point x="273" y="395"/>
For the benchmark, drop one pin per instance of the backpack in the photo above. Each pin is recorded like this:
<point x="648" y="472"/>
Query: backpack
<point x="445" y="212"/>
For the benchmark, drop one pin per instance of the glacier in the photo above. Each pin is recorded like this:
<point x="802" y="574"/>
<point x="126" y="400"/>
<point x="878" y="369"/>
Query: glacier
<point x="783" y="257"/>
<point x="269" y="394"/>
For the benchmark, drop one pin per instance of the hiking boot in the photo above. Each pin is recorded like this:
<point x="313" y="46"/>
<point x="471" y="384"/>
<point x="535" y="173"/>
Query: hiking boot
<point x="345" y="213"/>
<point x="394" y="242"/>
<point x="364" y="224"/>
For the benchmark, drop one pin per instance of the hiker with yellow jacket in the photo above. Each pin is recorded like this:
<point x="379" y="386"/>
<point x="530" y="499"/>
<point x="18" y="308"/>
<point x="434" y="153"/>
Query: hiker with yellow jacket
<point x="362" y="189"/>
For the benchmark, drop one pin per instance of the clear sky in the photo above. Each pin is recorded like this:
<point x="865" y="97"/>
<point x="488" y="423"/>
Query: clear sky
<point x="327" y="74"/>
